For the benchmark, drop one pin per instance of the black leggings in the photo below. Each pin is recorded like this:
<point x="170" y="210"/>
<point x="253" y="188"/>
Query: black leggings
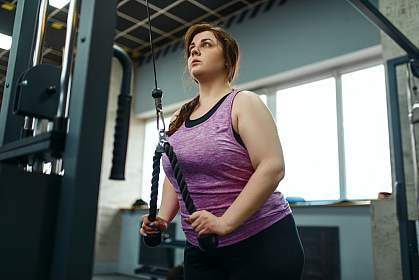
<point x="274" y="253"/>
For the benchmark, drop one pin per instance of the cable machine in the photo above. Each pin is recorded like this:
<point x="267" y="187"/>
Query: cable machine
<point x="48" y="218"/>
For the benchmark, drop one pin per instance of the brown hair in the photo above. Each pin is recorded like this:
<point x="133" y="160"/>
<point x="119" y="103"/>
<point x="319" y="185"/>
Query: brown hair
<point x="231" y="58"/>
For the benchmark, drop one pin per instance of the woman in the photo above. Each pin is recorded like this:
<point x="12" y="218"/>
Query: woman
<point x="228" y="147"/>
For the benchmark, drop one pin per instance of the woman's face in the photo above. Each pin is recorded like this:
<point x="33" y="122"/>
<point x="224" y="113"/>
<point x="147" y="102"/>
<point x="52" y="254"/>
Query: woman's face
<point x="206" y="57"/>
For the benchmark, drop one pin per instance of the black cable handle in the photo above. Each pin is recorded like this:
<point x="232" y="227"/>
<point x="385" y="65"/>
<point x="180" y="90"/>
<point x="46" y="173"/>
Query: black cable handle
<point x="122" y="123"/>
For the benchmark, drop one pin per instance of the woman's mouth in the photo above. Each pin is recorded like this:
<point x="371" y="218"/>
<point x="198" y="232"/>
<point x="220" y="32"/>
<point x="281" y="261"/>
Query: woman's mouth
<point x="195" y="62"/>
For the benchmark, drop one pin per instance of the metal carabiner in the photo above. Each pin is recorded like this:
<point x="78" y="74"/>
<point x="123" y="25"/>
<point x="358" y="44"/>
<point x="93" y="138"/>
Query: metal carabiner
<point x="160" y="119"/>
<point x="161" y="130"/>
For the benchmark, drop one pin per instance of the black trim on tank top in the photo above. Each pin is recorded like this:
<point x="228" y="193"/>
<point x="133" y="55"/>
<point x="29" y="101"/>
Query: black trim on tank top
<point x="191" y="123"/>
<point x="238" y="138"/>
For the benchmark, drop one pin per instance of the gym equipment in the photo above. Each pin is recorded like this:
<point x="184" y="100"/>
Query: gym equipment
<point x="122" y="116"/>
<point x="48" y="221"/>
<point x="28" y="128"/>
<point x="207" y="242"/>
<point x="407" y="228"/>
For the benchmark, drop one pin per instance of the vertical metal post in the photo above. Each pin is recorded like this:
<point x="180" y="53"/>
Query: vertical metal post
<point x="76" y="222"/>
<point x="396" y="145"/>
<point x="341" y="138"/>
<point x="40" y="34"/>
<point x="62" y="111"/>
<point x="38" y="125"/>
<point x="20" y="59"/>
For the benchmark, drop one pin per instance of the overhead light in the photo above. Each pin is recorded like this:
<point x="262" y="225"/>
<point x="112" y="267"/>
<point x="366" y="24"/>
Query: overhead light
<point x="58" y="3"/>
<point x="5" y="41"/>
<point x="9" y="6"/>
<point x="135" y="54"/>
<point x="57" y="25"/>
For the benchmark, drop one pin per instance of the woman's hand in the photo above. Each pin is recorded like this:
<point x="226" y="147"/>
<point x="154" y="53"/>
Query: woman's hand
<point x="204" y="222"/>
<point x="150" y="228"/>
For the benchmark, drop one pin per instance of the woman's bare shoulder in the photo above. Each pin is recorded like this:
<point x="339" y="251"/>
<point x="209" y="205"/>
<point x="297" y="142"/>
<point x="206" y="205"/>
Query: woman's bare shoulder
<point x="246" y="99"/>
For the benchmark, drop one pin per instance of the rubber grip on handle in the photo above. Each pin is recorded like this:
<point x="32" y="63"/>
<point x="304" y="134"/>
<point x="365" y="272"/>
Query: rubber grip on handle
<point x="208" y="242"/>
<point x="121" y="138"/>
<point x="152" y="240"/>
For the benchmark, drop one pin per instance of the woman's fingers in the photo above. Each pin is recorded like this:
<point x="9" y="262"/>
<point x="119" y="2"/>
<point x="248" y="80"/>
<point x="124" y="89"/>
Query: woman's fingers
<point x="196" y="215"/>
<point x="154" y="227"/>
<point x="148" y="228"/>
<point x="142" y="232"/>
<point x="200" y="227"/>
<point x="145" y="233"/>
<point x="196" y="223"/>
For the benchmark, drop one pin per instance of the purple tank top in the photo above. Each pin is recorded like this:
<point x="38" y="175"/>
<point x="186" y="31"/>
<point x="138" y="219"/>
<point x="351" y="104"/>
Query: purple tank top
<point x="216" y="168"/>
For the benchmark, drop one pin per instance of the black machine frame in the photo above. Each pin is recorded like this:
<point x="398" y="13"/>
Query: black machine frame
<point x="73" y="233"/>
<point x="407" y="228"/>
<point x="73" y="197"/>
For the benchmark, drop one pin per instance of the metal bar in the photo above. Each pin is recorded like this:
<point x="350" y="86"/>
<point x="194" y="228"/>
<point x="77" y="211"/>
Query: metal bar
<point x="40" y="34"/>
<point x="131" y="38"/>
<point x="413" y="108"/>
<point x="376" y="17"/>
<point x="76" y="223"/>
<point x="67" y="60"/>
<point x="38" y="124"/>
<point x="198" y="19"/>
<point x="121" y="3"/>
<point x="396" y="145"/>
<point x="56" y="11"/>
<point x="164" y="11"/>
<point x="127" y="69"/>
<point x="205" y="8"/>
<point x="156" y="14"/>
<point x="134" y="20"/>
<point x="41" y="144"/>
<point x="20" y="59"/>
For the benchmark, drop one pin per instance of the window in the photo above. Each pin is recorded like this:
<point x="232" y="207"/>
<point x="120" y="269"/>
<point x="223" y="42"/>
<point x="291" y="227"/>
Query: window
<point x="306" y="120"/>
<point x="366" y="136"/>
<point x="317" y="165"/>
<point x="334" y="135"/>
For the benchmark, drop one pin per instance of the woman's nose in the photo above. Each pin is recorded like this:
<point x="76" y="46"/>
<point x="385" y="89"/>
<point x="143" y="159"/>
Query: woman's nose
<point x="195" y="51"/>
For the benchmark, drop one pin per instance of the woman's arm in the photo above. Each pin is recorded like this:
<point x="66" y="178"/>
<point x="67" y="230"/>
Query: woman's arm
<point x="169" y="203"/>
<point x="168" y="209"/>
<point x="259" y="134"/>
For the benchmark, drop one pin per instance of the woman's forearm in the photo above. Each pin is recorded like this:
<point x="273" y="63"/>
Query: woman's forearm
<point x="169" y="204"/>
<point x="259" y="188"/>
